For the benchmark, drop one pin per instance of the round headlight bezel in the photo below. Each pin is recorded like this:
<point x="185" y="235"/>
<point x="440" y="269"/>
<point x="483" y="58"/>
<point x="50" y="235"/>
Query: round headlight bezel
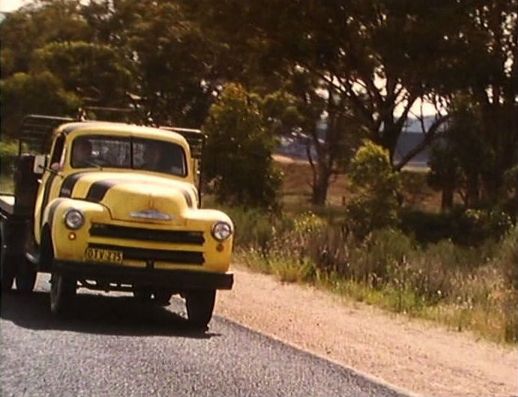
<point x="74" y="219"/>
<point x="218" y="228"/>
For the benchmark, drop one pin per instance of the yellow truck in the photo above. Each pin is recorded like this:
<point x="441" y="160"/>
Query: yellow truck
<point x="113" y="207"/>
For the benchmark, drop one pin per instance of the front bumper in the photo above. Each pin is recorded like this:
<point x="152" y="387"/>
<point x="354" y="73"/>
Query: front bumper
<point x="176" y="279"/>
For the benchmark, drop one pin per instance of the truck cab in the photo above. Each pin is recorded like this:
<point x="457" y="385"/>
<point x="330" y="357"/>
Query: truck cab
<point x="116" y="207"/>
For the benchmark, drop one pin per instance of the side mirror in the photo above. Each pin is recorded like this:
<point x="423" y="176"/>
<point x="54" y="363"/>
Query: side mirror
<point x="40" y="163"/>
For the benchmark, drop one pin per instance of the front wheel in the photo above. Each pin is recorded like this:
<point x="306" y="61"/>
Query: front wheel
<point x="62" y="293"/>
<point x="162" y="297"/>
<point x="142" y="294"/>
<point x="26" y="277"/>
<point x="200" y="305"/>
<point x="7" y="268"/>
<point x="7" y="272"/>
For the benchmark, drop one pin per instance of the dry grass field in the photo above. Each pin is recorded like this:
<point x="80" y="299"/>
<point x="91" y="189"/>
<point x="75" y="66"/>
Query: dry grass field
<point x="296" y="188"/>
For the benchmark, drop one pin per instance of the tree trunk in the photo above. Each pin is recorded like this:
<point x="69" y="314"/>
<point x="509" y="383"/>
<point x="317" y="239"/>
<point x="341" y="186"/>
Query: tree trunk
<point x="472" y="191"/>
<point x="320" y="185"/>
<point x="447" y="198"/>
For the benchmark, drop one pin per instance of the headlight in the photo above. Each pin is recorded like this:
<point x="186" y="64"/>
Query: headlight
<point x="221" y="231"/>
<point x="74" y="219"/>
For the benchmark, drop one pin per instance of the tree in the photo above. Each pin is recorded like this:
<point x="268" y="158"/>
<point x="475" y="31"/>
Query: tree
<point x="173" y="79"/>
<point x="24" y="89"/>
<point x="458" y="158"/>
<point x="42" y="93"/>
<point x="238" y="151"/>
<point x="95" y="72"/>
<point x="361" y="66"/>
<point x="492" y="86"/>
<point x="33" y="26"/>
<point x="445" y="172"/>
<point x="330" y="148"/>
<point x="370" y="54"/>
<point x="482" y="86"/>
<point x="102" y="49"/>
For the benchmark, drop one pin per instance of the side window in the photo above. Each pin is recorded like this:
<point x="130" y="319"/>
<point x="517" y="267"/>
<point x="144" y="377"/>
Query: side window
<point x="57" y="152"/>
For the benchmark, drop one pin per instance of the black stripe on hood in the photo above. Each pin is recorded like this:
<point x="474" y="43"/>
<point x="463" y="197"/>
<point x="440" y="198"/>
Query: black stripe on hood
<point x="99" y="189"/>
<point x="68" y="184"/>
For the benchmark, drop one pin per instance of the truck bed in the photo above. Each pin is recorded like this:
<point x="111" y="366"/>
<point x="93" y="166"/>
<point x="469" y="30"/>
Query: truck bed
<point x="7" y="204"/>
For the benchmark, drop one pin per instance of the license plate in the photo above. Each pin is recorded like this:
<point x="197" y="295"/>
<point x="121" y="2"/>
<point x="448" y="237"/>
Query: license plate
<point x="103" y="255"/>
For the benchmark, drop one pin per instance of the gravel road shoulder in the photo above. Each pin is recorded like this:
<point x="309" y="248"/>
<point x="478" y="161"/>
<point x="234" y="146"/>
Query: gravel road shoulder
<point x="412" y="354"/>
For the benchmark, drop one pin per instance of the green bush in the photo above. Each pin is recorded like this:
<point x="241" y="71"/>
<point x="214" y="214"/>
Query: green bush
<point x="464" y="227"/>
<point x="8" y="148"/>
<point x="428" y="227"/>
<point x="508" y="258"/>
<point x="8" y="156"/>
<point x="375" y="186"/>
<point x="238" y="155"/>
<point x="484" y="224"/>
<point x="507" y="262"/>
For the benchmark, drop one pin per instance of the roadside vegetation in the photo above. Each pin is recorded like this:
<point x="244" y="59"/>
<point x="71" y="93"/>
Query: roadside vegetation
<point x="465" y="287"/>
<point x="8" y="153"/>
<point x="439" y="243"/>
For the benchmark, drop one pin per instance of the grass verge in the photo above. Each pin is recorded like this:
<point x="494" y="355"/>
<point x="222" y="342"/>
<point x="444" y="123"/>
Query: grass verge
<point x="464" y="288"/>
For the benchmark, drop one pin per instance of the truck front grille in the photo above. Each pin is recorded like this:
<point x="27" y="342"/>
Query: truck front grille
<point x="134" y="233"/>
<point x="144" y="254"/>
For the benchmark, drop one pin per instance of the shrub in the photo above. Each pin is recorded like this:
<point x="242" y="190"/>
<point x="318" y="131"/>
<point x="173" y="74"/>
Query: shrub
<point x="464" y="227"/>
<point x="507" y="261"/>
<point x="375" y="186"/>
<point x="508" y="258"/>
<point x="484" y="224"/>
<point x="428" y="227"/>
<point x="8" y="148"/>
<point x="8" y="156"/>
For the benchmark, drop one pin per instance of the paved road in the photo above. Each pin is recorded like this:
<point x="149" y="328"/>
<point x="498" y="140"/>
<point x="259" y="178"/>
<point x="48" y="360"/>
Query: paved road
<point x="114" y="346"/>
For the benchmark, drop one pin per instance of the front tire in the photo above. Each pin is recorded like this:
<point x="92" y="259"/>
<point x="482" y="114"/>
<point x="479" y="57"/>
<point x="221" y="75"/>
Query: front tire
<point x="162" y="297"/>
<point x="200" y="305"/>
<point x="62" y="293"/>
<point x="26" y="277"/>
<point x="142" y="294"/>
<point x="7" y="268"/>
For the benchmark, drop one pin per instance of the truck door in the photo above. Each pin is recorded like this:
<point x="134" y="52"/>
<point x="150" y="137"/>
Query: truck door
<point x="49" y="184"/>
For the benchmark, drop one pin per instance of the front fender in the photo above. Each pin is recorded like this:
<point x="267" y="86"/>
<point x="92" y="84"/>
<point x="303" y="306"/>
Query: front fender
<point x="203" y="219"/>
<point x="70" y="244"/>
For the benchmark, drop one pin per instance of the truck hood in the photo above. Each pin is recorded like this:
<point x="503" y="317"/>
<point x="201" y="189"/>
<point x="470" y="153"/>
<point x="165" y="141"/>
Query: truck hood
<point x="133" y="196"/>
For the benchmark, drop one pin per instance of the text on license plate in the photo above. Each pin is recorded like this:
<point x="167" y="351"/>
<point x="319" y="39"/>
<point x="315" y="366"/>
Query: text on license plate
<point x="103" y="255"/>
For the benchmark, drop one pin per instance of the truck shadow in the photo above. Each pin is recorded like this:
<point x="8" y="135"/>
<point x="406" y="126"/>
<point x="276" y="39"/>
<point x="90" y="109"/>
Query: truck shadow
<point x="98" y="314"/>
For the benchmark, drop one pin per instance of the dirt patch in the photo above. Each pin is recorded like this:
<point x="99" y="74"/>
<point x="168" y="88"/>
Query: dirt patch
<point x="416" y="355"/>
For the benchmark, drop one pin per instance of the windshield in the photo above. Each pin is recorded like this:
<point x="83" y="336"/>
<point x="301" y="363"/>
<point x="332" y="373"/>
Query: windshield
<point x="133" y="153"/>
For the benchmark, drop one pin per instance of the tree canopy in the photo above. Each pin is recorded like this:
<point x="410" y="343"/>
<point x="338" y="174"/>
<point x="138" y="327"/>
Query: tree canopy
<point x="360" y="69"/>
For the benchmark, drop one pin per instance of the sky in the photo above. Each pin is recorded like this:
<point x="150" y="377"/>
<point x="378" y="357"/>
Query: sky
<point x="11" y="5"/>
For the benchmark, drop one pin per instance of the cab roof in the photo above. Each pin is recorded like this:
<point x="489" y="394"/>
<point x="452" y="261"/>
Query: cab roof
<point x="40" y="130"/>
<point x="122" y="129"/>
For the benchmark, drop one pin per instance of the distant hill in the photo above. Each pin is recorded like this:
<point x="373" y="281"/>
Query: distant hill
<point x="294" y="145"/>
<point x="408" y="141"/>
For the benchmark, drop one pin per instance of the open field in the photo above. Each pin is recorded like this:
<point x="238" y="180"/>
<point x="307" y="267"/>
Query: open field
<point x="296" y="189"/>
